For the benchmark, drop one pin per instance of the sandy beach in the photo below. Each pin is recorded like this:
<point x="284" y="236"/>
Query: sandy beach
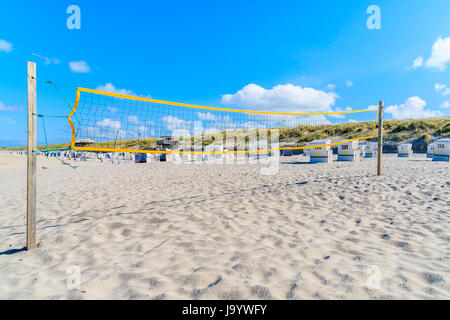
<point x="169" y="231"/>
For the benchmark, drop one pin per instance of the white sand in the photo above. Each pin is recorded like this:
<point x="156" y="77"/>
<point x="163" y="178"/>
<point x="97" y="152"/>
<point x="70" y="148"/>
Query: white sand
<point x="167" y="231"/>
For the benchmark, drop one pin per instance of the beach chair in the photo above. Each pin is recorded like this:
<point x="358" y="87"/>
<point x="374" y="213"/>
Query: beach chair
<point x="322" y="154"/>
<point x="442" y="151"/>
<point x="349" y="151"/>
<point x="405" y="150"/>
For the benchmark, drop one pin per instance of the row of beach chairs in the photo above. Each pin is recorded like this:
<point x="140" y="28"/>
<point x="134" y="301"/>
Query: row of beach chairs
<point x="439" y="150"/>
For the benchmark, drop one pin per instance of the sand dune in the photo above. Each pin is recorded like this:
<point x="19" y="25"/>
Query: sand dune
<point x="168" y="231"/>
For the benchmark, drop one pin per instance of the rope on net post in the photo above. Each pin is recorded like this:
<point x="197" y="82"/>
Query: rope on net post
<point x="54" y="84"/>
<point x="64" y="99"/>
<point x="47" y="151"/>
<point x="66" y="163"/>
<point x="59" y="92"/>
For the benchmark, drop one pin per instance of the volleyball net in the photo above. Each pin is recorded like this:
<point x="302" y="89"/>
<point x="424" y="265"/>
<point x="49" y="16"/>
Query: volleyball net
<point x="110" y="122"/>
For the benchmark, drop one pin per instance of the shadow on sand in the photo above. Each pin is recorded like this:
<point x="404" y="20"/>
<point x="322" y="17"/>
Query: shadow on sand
<point x="297" y="162"/>
<point x="12" y="251"/>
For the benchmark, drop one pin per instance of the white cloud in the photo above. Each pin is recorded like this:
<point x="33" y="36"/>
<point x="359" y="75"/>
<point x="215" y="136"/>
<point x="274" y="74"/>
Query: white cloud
<point x="110" y="129"/>
<point x="282" y="98"/>
<point x="47" y="60"/>
<point x="113" y="110"/>
<point x="349" y="83"/>
<point x="109" y="87"/>
<point x="108" y="123"/>
<point x="9" y="108"/>
<point x="215" y="123"/>
<point x="5" y="46"/>
<point x="417" y="63"/>
<point x="219" y="123"/>
<point x="445" y="105"/>
<point x="414" y="107"/>
<point x="339" y="116"/>
<point x="79" y="67"/>
<point x="207" y="116"/>
<point x="439" y="86"/>
<point x="133" y="119"/>
<point x="331" y="86"/>
<point x="141" y="131"/>
<point x="440" y="54"/>
<point x="442" y="88"/>
<point x="276" y="120"/>
<point x="174" y="123"/>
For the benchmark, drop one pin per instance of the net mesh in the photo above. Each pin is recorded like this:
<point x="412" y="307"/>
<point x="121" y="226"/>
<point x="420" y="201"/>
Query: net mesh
<point x="110" y="122"/>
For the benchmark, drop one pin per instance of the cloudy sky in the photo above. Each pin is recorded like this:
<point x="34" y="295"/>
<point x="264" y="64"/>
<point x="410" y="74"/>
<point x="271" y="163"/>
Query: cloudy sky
<point x="262" y="55"/>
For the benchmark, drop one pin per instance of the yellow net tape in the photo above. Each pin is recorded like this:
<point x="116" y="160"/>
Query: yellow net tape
<point x="112" y="122"/>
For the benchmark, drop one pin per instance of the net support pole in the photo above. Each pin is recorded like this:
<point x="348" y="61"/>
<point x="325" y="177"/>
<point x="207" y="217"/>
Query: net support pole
<point x="31" y="157"/>
<point x="380" y="136"/>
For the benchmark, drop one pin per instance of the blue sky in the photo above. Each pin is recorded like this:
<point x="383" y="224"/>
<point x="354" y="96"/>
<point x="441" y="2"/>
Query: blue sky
<point x="197" y="52"/>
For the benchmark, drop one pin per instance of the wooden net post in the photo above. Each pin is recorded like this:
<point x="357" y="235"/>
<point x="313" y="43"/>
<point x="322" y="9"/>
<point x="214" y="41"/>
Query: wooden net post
<point x="380" y="136"/>
<point x="31" y="157"/>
